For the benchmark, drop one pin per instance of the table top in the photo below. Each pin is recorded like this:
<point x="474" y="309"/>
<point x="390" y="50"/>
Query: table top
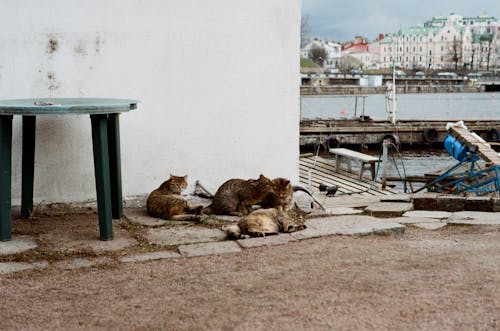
<point x="65" y="106"/>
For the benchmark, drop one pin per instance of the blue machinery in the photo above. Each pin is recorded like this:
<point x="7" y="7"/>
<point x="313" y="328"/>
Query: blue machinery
<point x="467" y="177"/>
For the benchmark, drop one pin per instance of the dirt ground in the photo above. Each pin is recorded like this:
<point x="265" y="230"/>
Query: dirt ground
<point x="424" y="280"/>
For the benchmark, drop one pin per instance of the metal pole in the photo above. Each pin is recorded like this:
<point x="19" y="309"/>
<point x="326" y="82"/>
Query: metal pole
<point x="355" y="106"/>
<point x="385" y="164"/>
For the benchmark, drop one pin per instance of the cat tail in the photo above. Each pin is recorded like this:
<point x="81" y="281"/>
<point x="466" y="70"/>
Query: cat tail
<point x="233" y="232"/>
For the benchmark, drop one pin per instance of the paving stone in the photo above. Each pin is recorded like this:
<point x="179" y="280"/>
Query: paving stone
<point x="412" y="220"/>
<point x="82" y="263"/>
<point x="140" y="216"/>
<point x="386" y="209"/>
<point x="18" y="244"/>
<point x="11" y="267"/>
<point x="179" y="235"/>
<point x="430" y="225"/>
<point x="427" y="214"/>
<point x="282" y="238"/>
<point x="222" y="247"/>
<point x="495" y="204"/>
<point x="227" y="218"/>
<point x="396" y="198"/>
<point x="426" y="201"/>
<point x="335" y="212"/>
<point x="347" y="225"/>
<point x="450" y="203"/>
<point x="479" y="203"/>
<point x="474" y="218"/>
<point x="377" y="228"/>
<point x="352" y="201"/>
<point x="150" y="256"/>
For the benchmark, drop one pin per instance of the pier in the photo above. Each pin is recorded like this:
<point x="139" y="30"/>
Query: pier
<point x="364" y="131"/>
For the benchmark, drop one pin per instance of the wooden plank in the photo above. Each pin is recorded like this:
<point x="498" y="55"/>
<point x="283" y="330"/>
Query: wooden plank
<point x="354" y="155"/>
<point x="324" y="172"/>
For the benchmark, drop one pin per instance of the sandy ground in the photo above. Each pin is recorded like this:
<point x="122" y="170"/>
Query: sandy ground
<point x="424" y="280"/>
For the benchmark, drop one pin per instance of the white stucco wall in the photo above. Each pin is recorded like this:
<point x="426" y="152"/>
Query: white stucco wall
<point x="217" y="80"/>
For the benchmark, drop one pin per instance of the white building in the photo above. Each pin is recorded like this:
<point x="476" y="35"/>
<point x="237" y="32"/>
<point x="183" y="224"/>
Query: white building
<point x="213" y="106"/>
<point x="333" y="51"/>
<point x="454" y="42"/>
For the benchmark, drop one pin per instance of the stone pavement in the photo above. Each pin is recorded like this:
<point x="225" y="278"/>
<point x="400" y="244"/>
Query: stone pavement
<point x="71" y="241"/>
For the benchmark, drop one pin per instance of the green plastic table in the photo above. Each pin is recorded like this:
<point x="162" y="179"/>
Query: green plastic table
<point x="106" y="149"/>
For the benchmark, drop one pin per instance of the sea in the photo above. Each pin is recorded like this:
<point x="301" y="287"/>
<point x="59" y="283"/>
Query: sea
<point x="408" y="161"/>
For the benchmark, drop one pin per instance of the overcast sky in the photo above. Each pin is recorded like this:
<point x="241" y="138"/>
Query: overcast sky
<point x="342" y="20"/>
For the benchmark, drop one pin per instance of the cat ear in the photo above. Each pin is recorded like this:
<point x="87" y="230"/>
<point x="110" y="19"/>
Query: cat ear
<point x="171" y="175"/>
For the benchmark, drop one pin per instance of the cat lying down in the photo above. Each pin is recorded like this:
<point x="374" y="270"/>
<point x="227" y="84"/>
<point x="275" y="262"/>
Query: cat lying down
<point x="268" y="221"/>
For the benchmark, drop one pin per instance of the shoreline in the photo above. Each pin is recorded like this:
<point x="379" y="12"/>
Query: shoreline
<point x="406" y="89"/>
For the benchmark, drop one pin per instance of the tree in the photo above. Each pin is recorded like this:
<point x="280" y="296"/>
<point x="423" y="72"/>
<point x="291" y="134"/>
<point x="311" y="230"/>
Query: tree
<point x="456" y="52"/>
<point x="305" y="31"/>
<point x="347" y="63"/>
<point x="318" y="54"/>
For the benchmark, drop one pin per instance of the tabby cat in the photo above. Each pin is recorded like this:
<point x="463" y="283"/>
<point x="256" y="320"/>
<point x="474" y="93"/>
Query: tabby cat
<point x="166" y="202"/>
<point x="280" y="197"/>
<point x="236" y="196"/>
<point x="263" y="222"/>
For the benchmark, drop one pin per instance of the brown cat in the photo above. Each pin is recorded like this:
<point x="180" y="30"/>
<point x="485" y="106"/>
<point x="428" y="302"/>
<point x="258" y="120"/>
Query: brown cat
<point x="166" y="202"/>
<point x="236" y="196"/>
<point x="280" y="197"/>
<point x="264" y="222"/>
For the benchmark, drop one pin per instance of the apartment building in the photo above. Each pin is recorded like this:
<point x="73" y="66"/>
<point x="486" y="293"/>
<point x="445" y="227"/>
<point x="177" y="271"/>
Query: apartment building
<point x="454" y="42"/>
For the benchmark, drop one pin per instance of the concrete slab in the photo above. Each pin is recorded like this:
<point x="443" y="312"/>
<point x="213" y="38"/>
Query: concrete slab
<point x="227" y="218"/>
<point x="18" y="244"/>
<point x="347" y="225"/>
<point x="479" y="204"/>
<point x="282" y="238"/>
<point x="222" y="247"/>
<point x="84" y="235"/>
<point x="179" y="235"/>
<point x="11" y="267"/>
<point x="150" y="256"/>
<point x="430" y="226"/>
<point x="335" y="212"/>
<point x="396" y="198"/>
<point x="386" y="209"/>
<point x="140" y="216"/>
<point x="352" y="201"/>
<point x="450" y="203"/>
<point x="474" y="218"/>
<point x="82" y="263"/>
<point x="427" y="214"/>
<point x="413" y="220"/>
<point x="425" y="201"/>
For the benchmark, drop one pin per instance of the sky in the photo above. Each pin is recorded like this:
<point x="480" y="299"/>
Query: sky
<point x="342" y="20"/>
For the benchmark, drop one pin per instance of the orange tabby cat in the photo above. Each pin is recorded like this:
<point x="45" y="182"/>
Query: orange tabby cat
<point x="166" y="202"/>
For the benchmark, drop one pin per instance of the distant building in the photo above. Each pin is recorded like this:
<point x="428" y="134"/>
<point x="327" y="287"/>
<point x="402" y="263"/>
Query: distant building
<point x="454" y="42"/>
<point x="333" y="51"/>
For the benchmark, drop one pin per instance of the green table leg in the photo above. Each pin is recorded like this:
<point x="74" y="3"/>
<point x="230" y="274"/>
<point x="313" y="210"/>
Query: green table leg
<point x="102" y="179"/>
<point x="115" y="165"/>
<point x="29" y="126"/>
<point x="5" y="177"/>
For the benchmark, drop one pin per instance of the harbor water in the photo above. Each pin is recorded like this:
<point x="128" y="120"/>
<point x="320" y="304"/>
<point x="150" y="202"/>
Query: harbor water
<point x="447" y="106"/>
<point x="442" y="106"/>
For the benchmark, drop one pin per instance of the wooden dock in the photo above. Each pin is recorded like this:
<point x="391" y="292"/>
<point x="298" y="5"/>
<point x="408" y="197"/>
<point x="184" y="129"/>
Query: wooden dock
<point x="339" y="132"/>
<point x="323" y="171"/>
<point x="474" y="142"/>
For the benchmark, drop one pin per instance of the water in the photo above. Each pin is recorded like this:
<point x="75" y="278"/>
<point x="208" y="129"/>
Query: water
<point x="447" y="106"/>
